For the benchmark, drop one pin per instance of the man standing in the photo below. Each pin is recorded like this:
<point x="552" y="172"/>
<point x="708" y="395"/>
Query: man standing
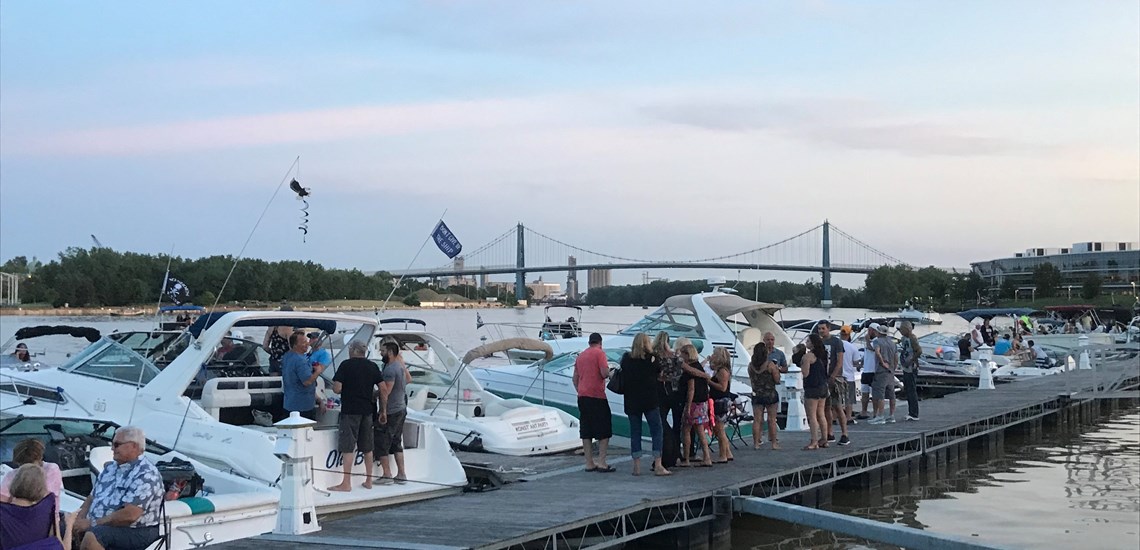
<point x="775" y="355"/>
<point x="393" y="411"/>
<point x="908" y="359"/>
<point x="591" y="369"/>
<point x="299" y="377"/>
<point x="356" y="381"/>
<point x="886" y="359"/>
<point x="318" y="355"/>
<point x="836" y="409"/>
<point x="123" y="508"/>
<point x="849" y="354"/>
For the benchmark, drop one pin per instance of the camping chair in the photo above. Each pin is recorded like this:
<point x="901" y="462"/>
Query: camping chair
<point x="738" y="414"/>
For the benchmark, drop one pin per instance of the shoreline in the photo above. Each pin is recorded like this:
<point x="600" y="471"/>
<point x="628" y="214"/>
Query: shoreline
<point x="134" y="311"/>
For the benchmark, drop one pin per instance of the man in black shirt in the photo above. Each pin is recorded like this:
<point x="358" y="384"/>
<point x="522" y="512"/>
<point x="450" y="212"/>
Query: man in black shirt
<point x="356" y="381"/>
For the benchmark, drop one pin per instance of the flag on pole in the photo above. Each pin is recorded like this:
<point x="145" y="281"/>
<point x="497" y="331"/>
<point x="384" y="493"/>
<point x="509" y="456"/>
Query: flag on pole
<point x="446" y="240"/>
<point x="177" y="291"/>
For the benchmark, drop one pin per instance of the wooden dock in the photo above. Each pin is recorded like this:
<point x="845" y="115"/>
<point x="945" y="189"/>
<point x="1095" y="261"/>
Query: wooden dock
<point x="570" y="508"/>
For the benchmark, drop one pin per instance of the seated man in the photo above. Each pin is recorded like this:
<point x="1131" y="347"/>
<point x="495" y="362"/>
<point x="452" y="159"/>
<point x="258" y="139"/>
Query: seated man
<point x="124" y="506"/>
<point x="1003" y="346"/>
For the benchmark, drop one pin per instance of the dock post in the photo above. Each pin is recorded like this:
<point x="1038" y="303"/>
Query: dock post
<point x="1083" y="343"/>
<point x="720" y="529"/>
<point x="985" y="376"/>
<point x="794" y="389"/>
<point x="296" y="512"/>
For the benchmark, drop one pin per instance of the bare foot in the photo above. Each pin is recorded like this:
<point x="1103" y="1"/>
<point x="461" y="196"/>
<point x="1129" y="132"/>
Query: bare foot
<point x="662" y="472"/>
<point x="341" y="488"/>
<point x="775" y="445"/>
<point x="367" y="484"/>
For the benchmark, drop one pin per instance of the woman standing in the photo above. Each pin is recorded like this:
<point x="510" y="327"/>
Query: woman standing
<point x="640" y="378"/>
<point x="696" y="390"/>
<point x="721" y="363"/>
<point x="814" y="366"/>
<point x="763" y="376"/>
<point x="667" y="401"/>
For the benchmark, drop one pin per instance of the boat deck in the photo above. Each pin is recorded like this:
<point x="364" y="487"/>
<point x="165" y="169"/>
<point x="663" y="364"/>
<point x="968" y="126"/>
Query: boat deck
<point x="572" y="508"/>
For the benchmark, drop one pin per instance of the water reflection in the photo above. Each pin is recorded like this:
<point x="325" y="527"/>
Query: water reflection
<point x="1066" y="490"/>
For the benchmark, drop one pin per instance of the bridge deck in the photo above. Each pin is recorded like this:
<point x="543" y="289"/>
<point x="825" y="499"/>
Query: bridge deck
<point x="560" y="506"/>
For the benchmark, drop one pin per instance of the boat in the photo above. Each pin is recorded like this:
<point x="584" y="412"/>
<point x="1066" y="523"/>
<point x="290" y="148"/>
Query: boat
<point x="183" y="316"/>
<point x="219" y="409"/>
<point x="36" y="360"/>
<point x="1019" y="317"/>
<point x="717" y="318"/>
<point x="549" y="382"/>
<point x="919" y="317"/>
<point x="221" y="507"/>
<point x="569" y="327"/>
<point x="444" y="392"/>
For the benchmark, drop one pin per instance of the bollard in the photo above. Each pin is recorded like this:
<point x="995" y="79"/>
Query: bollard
<point x="1083" y="343"/>
<point x="794" y="389"/>
<point x="296" y="513"/>
<point x="985" y="375"/>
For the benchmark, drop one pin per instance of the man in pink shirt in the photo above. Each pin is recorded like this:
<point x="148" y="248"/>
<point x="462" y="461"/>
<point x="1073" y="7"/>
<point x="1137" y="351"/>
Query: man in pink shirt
<point x="591" y="369"/>
<point x="31" y="451"/>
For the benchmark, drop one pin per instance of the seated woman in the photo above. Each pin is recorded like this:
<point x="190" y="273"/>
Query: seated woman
<point x="31" y="451"/>
<point x="30" y="519"/>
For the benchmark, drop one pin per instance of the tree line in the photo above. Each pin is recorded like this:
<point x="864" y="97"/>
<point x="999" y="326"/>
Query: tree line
<point x="105" y="277"/>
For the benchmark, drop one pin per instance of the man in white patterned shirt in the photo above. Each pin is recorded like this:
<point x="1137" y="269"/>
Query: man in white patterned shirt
<point x="124" y="506"/>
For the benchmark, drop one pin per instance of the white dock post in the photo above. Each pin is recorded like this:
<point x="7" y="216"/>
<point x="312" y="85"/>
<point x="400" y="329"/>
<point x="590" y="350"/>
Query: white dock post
<point x="296" y="513"/>
<point x="794" y="389"/>
<point x="985" y="359"/>
<point x="1083" y="343"/>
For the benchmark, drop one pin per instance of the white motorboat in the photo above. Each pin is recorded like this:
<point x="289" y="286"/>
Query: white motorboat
<point x="17" y="355"/>
<point x="549" y="382"/>
<point x="444" y="392"/>
<point x="919" y="317"/>
<point x="222" y="507"/>
<point x="710" y="319"/>
<point x="218" y="408"/>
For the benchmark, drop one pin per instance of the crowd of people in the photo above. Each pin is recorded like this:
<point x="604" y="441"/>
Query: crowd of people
<point x="685" y="401"/>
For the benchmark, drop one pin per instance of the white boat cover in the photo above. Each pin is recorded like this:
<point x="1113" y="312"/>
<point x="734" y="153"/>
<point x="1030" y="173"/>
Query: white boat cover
<point x="528" y="344"/>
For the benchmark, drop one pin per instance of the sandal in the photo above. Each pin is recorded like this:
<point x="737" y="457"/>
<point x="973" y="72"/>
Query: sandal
<point x="606" y="470"/>
<point x="811" y="447"/>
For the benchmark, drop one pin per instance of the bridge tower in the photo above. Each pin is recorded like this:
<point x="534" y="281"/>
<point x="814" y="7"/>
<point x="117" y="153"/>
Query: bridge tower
<point x="520" y="263"/>
<point x="825" y="300"/>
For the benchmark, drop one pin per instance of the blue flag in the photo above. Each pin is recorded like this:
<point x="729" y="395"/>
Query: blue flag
<point x="446" y="240"/>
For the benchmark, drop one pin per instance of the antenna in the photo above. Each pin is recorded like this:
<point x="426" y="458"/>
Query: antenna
<point x="97" y="243"/>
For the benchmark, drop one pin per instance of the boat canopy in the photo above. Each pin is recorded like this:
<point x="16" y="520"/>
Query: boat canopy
<point x="185" y="307"/>
<point x="206" y="321"/>
<point x="562" y="306"/>
<point x="725" y="305"/>
<point x="528" y="344"/>
<point x="989" y="313"/>
<point x="403" y="321"/>
<point x="92" y="335"/>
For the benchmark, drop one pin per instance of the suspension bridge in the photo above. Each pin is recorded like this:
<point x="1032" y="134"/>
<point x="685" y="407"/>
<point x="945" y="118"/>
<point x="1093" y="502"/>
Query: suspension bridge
<point x="823" y="249"/>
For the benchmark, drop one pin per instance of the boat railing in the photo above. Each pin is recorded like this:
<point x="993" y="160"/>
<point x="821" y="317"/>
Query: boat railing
<point x="1115" y="368"/>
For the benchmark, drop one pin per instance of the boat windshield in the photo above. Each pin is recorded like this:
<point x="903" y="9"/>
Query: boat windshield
<point x="51" y="431"/>
<point x="565" y="362"/>
<point x="111" y="360"/>
<point x="675" y="321"/>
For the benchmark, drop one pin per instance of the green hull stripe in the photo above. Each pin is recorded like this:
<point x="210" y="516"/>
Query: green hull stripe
<point x="198" y="505"/>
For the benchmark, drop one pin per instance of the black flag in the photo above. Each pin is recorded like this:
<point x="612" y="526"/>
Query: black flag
<point x="177" y="291"/>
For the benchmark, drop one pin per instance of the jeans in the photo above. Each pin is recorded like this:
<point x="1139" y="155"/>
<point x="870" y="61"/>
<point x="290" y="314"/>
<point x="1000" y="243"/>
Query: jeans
<point x="653" y="418"/>
<point x="910" y="384"/>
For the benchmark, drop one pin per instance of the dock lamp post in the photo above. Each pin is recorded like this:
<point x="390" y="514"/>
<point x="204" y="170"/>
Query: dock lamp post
<point x="1070" y="289"/>
<point x="1133" y="283"/>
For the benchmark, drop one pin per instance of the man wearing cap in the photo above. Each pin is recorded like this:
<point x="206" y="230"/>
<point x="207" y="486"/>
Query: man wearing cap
<point x="591" y="369"/>
<point x="886" y="359"/>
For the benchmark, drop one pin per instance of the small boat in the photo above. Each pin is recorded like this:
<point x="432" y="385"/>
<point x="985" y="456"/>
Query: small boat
<point x="215" y="507"/>
<point x="569" y="327"/>
<point x="919" y="317"/>
<point x="13" y="358"/>
<point x="183" y="315"/>
<point x="444" y="393"/>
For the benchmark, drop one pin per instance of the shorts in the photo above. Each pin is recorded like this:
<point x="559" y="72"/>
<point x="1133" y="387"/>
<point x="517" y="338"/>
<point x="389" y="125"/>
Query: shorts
<point x="867" y="378"/>
<point x="815" y="392"/>
<point x="884" y="383"/>
<point x="698" y="414"/>
<point x="595" y="415"/>
<point x="127" y="538"/>
<point x="851" y="392"/>
<point x="390" y="437"/>
<point x="765" y="400"/>
<point x="720" y="409"/>
<point x="837" y="393"/>
<point x="354" y="432"/>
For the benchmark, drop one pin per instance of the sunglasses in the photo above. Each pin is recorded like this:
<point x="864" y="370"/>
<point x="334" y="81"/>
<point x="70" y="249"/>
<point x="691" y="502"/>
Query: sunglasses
<point x="117" y="444"/>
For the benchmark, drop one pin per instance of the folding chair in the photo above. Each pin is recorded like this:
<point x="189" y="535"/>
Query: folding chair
<point x="738" y="414"/>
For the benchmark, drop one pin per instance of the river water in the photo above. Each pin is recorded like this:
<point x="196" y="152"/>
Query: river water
<point x="1065" y="491"/>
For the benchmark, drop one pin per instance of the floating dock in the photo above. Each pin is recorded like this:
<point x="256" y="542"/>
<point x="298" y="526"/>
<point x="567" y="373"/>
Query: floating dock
<point x="571" y="508"/>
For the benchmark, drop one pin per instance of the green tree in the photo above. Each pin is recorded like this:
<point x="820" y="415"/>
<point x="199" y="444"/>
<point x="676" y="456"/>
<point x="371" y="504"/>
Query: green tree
<point x="411" y="300"/>
<point x="1091" y="287"/>
<point x="1047" y="279"/>
<point x="1008" y="288"/>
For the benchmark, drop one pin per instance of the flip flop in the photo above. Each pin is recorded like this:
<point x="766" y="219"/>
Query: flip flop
<point x="720" y="462"/>
<point x="606" y="470"/>
<point x="594" y="469"/>
<point x="705" y="465"/>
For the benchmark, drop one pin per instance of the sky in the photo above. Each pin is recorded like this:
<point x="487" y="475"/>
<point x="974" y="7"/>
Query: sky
<point x="938" y="132"/>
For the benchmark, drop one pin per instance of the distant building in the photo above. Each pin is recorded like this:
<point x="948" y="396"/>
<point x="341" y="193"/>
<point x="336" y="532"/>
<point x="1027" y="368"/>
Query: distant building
<point x="598" y="278"/>
<point x="572" y="279"/>
<point x="1117" y="264"/>
<point x="543" y="289"/>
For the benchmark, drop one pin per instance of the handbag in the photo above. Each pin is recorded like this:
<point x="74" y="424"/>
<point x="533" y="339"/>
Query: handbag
<point x="617" y="382"/>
